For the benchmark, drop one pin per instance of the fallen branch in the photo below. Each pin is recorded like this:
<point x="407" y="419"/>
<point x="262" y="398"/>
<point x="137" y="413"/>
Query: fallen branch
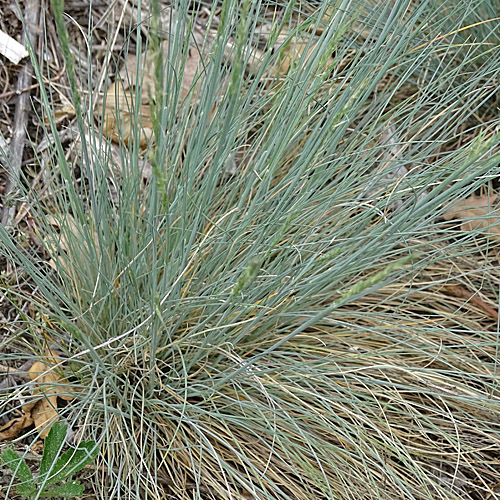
<point x="31" y="14"/>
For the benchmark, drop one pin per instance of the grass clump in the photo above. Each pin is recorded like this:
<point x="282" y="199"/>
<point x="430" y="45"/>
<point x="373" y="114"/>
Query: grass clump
<point x="266" y="316"/>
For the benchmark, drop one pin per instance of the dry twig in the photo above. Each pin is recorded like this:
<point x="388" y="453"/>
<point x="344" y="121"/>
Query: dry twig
<point x="31" y="14"/>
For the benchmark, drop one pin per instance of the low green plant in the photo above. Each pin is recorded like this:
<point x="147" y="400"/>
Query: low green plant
<point x="54" y="467"/>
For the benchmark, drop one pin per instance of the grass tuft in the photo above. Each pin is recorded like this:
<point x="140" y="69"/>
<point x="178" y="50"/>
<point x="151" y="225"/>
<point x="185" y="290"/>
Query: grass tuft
<point x="267" y="316"/>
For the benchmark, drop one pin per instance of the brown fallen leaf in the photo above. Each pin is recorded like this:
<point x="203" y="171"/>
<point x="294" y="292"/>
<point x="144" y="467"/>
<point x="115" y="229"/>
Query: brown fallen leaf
<point x="70" y="230"/>
<point x="291" y="53"/>
<point x="118" y="111"/>
<point x="61" y="112"/>
<point x="42" y="412"/>
<point x="295" y="51"/>
<point x="477" y="213"/>
<point x="12" y="428"/>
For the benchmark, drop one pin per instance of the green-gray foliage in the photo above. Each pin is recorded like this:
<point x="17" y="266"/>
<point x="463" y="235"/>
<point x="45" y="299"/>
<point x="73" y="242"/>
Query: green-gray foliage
<point x="273" y="329"/>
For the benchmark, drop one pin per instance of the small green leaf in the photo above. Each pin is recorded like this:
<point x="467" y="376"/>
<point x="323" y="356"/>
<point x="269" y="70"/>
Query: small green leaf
<point x="70" y="489"/>
<point x="72" y="461"/>
<point x="21" y="471"/>
<point x="26" y="490"/>
<point x="52" y="448"/>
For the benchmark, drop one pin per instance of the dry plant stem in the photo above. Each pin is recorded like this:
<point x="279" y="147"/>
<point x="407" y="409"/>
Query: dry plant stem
<point x="19" y="91"/>
<point x="462" y="293"/>
<point x="161" y="480"/>
<point x="22" y="371"/>
<point x="31" y="14"/>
